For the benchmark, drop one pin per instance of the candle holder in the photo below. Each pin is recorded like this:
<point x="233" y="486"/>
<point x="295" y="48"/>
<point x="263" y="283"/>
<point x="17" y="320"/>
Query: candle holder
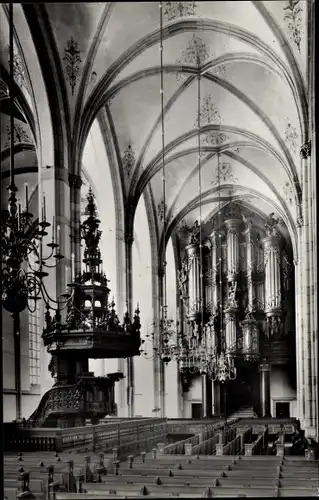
<point x="24" y="267"/>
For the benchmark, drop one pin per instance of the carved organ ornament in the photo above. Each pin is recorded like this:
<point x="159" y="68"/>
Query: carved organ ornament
<point x="251" y="285"/>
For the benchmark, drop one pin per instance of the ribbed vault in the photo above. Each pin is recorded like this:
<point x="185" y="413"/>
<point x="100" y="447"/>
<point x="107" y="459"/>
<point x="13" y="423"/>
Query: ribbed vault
<point x="106" y="62"/>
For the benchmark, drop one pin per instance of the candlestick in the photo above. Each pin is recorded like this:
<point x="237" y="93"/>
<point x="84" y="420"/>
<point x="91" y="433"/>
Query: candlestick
<point x="40" y="260"/>
<point x="53" y="230"/>
<point x="44" y="210"/>
<point x="73" y="266"/>
<point x="26" y="197"/>
<point x="19" y="213"/>
<point x="66" y="276"/>
<point x="58" y="235"/>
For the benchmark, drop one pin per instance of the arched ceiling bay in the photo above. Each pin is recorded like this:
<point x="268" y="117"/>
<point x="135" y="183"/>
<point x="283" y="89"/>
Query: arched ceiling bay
<point x="252" y="61"/>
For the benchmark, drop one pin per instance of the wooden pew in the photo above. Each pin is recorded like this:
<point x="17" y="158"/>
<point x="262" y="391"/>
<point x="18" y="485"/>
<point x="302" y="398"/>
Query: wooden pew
<point x="10" y="493"/>
<point x="145" y="490"/>
<point x="293" y="492"/>
<point x="106" y="496"/>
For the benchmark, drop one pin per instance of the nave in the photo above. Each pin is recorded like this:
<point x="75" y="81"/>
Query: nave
<point x="158" y="247"/>
<point x="243" y="458"/>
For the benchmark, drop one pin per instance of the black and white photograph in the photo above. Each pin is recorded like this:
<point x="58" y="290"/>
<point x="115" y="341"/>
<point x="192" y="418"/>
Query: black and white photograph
<point x="158" y="250"/>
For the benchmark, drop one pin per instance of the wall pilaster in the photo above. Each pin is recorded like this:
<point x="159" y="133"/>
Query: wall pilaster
<point x="129" y="300"/>
<point x="308" y="279"/>
<point x="75" y="183"/>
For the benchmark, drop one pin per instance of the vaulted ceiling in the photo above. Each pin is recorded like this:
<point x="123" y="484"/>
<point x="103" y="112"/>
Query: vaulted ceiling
<point x="252" y="60"/>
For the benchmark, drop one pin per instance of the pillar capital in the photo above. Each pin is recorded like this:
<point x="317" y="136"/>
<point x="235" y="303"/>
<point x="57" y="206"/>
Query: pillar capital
<point x="75" y="181"/>
<point x="305" y="150"/>
<point x="160" y="272"/>
<point x="300" y="221"/>
<point x="128" y="238"/>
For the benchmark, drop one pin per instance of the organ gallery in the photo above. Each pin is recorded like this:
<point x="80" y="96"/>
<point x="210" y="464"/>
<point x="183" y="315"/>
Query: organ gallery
<point x="158" y="247"/>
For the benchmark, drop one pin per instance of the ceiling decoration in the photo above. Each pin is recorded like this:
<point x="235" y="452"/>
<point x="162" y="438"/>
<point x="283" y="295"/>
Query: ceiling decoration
<point x="72" y="63"/>
<point x="288" y="193"/>
<point x="293" y="12"/>
<point x="195" y="54"/>
<point x="209" y="113"/>
<point x="214" y="138"/>
<point x="128" y="160"/>
<point x="93" y="78"/>
<point x="20" y="135"/>
<point x="291" y="137"/>
<point x="241" y="113"/>
<point x="175" y="10"/>
<point x="18" y="69"/>
<point x="224" y="174"/>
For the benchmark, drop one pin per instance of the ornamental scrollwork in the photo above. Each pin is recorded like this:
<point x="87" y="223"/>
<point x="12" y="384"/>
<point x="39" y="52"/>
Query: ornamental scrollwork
<point x="291" y="137"/>
<point x="305" y="150"/>
<point x="128" y="159"/>
<point x="209" y="114"/>
<point x="274" y="250"/>
<point x="72" y="60"/>
<point x="286" y="270"/>
<point x="270" y="225"/>
<point x="183" y="278"/>
<point x="293" y="12"/>
<point x="273" y="301"/>
<point x="232" y="292"/>
<point x="275" y="325"/>
<point x="175" y="10"/>
<point x="194" y="234"/>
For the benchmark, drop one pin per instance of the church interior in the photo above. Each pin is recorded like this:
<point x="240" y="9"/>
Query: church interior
<point x="158" y="250"/>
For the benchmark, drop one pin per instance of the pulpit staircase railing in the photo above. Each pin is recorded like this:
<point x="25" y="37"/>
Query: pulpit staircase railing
<point x="57" y="400"/>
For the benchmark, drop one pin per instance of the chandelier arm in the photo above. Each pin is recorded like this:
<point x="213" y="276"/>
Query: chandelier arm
<point x="29" y="307"/>
<point x="47" y="299"/>
<point x="48" y="266"/>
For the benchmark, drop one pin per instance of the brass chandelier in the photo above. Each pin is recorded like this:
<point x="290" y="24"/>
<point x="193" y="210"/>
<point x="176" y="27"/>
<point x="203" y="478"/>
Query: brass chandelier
<point x="24" y="265"/>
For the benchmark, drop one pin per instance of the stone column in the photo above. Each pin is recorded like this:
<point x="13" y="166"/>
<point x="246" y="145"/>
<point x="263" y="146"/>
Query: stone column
<point x="206" y="396"/>
<point x="129" y="296"/>
<point x="194" y="288"/>
<point x="273" y="297"/>
<point x="216" y="398"/>
<point x="55" y="185"/>
<point x="299" y="324"/>
<point x="160" y="366"/>
<point x="309" y="339"/>
<point x="75" y="183"/>
<point x="264" y="369"/>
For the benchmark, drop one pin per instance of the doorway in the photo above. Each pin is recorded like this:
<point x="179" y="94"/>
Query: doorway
<point x="197" y="410"/>
<point x="283" y="410"/>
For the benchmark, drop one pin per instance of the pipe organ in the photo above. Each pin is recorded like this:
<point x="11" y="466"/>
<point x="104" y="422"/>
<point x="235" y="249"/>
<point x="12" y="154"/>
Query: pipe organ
<point x="243" y="277"/>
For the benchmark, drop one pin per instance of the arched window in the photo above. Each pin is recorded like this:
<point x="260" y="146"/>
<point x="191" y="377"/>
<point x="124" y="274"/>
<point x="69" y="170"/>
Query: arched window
<point x="34" y="338"/>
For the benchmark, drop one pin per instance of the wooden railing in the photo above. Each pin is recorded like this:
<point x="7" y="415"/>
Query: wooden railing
<point x="206" y="433"/>
<point x="136" y="433"/>
<point x="207" y="447"/>
<point x="275" y="425"/>
<point x="258" y="446"/>
<point x="235" y="446"/>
